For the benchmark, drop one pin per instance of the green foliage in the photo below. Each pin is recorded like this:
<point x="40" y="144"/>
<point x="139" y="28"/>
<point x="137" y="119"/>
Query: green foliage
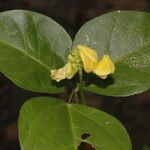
<point x="32" y="44"/>
<point x="125" y="36"/>
<point x="48" y="123"/>
<point x="146" y="147"/>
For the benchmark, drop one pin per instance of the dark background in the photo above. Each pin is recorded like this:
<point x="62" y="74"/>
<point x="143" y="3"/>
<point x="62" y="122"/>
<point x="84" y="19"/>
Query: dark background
<point x="132" y="111"/>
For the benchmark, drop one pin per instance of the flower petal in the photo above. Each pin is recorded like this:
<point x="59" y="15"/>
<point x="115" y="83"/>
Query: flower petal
<point x="71" y="70"/>
<point x="89" y="57"/>
<point x="104" y="67"/>
<point x="59" y="74"/>
<point x="68" y="71"/>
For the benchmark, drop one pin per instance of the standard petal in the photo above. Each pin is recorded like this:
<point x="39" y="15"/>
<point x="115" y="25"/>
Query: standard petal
<point x="89" y="57"/>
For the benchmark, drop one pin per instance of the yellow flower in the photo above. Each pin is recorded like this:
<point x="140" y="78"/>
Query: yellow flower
<point x="90" y="62"/>
<point x="89" y="57"/>
<point x="83" y="57"/>
<point x="71" y="70"/>
<point x="104" y="67"/>
<point x="58" y="74"/>
<point x="68" y="71"/>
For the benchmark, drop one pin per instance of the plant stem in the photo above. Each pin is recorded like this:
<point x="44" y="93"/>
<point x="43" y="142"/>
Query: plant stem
<point x="74" y="94"/>
<point x="76" y="98"/>
<point x="79" y="97"/>
<point x="81" y="91"/>
<point x="71" y="96"/>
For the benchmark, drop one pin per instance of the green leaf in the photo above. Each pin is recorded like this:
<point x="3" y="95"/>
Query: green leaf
<point x="125" y="36"/>
<point x="48" y="123"/>
<point x="31" y="45"/>
<point x="145" y="147"/>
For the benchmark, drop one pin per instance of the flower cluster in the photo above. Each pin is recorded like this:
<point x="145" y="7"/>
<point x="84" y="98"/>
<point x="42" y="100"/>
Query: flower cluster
<point x="83" y="57"/>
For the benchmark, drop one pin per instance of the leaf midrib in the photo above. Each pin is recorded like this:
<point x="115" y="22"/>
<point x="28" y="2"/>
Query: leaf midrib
<point x="25" y="53"/>
<point x="117" y="139"/>
<point x="71" y="127"/>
